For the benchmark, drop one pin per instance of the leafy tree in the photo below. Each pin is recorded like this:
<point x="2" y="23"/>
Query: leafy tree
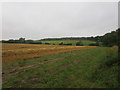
<point x="22" y="40"/>
<point x="110" y="39"/>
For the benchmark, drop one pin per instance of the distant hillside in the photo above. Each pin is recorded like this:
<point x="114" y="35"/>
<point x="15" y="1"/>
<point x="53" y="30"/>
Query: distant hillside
<point x="66" y="38"/>
<point x="109" y="39"/>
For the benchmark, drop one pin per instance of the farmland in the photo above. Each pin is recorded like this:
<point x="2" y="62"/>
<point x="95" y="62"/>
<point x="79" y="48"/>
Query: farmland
<point x="60" y="45"/>
<point x="13" y="52"/>
<point x="59" y="66"/>
<point x="73" y="42"/>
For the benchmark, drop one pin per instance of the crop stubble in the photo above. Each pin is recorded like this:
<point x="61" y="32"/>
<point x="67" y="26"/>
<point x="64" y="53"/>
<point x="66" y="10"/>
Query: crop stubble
<point x="13" y="52"/>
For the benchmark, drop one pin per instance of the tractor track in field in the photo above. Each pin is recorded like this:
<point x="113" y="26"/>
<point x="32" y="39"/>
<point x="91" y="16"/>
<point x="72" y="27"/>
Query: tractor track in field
<point x="24" y="68"/>
<point x="14" y="52"/>
<point x="15" y="71"/>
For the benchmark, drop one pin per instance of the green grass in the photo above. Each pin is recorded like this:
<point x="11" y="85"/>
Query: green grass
<point x="85" y="42"/>
<point x="89" y="68"/>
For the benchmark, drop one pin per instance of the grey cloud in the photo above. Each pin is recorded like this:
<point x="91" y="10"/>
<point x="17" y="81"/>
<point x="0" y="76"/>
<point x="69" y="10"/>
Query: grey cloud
<point x="41" y="20"/>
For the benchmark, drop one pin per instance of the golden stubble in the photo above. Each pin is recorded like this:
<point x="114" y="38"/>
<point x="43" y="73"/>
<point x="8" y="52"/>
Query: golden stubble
<point x="13" y="52"/>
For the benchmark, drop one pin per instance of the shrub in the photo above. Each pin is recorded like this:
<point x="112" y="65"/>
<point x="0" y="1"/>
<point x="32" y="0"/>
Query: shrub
<point x="35" y="43"/>
<point x="94" y="44"/>
<point x="61" y="43"/>
<point x="79" y="44"/>
<point x="68" y="44"/>
<point x="47" y="43"/>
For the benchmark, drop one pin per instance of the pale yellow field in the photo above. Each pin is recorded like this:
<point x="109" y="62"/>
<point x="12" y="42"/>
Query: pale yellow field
<point x="13" y="52"/>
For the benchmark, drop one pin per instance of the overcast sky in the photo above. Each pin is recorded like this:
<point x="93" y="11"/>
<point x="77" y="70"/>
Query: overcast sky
<point x="37" y="20"/>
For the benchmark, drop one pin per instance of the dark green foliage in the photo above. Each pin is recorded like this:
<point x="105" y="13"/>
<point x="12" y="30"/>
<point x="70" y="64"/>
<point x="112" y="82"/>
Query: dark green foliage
<point x="61" y="43"/>
<point x="32" y="42"/>
<point x="65" y="38"/>
<point x="47" y="43"/>
<point x="68" y="44"/>
<point x="94" y="44"/>
<point x="11" y="41"/>
<point x="79" y="43"/>
<point x="28" y="41"/>
<point x="21" y="40"/>
<point x="109" y="39"/>
<point x="35" y="42"/>
<point x="118" y="36"/>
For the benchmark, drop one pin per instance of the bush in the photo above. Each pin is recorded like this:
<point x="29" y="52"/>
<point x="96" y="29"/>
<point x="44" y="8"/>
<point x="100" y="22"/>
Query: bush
<point x="61" y="43"/>
<point x="47" y="43"/>
<point x="68" y="44"/>
<point x="94" y="44"/>
<point x="35" y="43"/>
<point x="79" y="44"/>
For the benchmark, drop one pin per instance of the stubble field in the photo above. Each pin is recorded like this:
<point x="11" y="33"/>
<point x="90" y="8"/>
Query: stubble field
<point x="57" y="66"/>
<point x="13" y="52"/>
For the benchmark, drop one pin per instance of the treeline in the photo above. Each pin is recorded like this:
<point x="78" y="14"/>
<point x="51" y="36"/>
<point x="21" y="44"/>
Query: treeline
<point x="70" y="38"/>
<point x="109" y="39"/>
<point x="65" y="38"/>
<point x="21" y="40"/>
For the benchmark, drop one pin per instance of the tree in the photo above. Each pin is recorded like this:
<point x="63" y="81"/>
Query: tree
<point x="22" y="40"/>
<point x="110" y="39"/>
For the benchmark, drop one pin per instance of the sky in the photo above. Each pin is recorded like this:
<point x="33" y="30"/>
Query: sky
<point x="38" y="20"/>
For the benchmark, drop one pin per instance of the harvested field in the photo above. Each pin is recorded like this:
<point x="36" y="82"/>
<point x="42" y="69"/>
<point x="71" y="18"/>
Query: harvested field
<point x="13" y="52"/>
<point x="88" y="68"/>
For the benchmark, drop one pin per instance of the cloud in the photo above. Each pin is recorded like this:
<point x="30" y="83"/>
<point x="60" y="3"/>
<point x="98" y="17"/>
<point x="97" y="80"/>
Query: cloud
<point x="41" y="20"/>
